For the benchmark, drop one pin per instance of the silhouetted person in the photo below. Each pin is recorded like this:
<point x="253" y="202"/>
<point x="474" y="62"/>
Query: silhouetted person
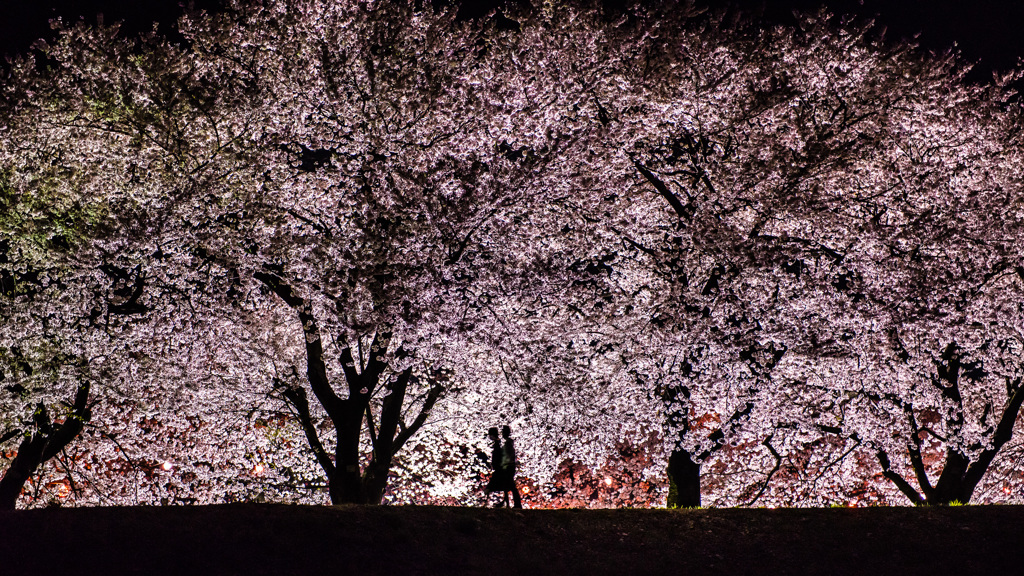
<point x="508" y="468"/>
<point x="497" y="481"/>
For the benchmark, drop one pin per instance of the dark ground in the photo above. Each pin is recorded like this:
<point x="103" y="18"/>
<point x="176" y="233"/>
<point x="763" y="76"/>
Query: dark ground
<point x="253" y="539"/>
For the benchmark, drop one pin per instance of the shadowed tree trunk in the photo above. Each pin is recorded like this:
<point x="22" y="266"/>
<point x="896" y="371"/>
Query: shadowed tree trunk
<point x="683" y="465"/>
<point x="347" y="482"/>
<point x="960" y="475"/>
<point x="45" y="442"/>
<point x="684" y="480"/>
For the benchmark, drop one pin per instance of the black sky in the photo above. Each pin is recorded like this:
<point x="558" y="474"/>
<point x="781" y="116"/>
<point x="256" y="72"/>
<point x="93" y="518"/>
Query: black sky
<point x="990" y="32"/>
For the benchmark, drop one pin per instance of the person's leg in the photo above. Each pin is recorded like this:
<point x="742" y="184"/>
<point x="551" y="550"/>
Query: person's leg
<point x="491" y="488"/>
<point x="517" y="499"/>
<point x="501" y="485"/>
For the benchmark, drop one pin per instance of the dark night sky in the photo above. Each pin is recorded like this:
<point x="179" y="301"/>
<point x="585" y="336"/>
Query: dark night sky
<point x="990" y="32"/>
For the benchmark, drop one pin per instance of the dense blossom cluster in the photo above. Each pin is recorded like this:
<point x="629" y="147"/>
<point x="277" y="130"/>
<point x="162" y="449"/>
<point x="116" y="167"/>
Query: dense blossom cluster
<point x="315" y="251"/>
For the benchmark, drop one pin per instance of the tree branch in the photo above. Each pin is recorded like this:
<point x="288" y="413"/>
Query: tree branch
<point x="718" y="436"/>
<point x="684" y="212"/>
<point x="10" y="435"/>
<point x="767" y="443"/>
<point x="435" y="392"/>
<point x="391" y="415"/>
<point x="370" y="425"/>
<point x="376" y="363"/>
<point x="898" y="480"/>
<point x="297" y="399"/>
<point x="1004" y="433"/>
<point x="316" y="371"/>
<point x="914" y="448"/>
<point x="348" y="365"/>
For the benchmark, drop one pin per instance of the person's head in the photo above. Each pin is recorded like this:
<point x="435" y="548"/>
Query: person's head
<point x="506" y="431"/>
<point x="492" y="433"/>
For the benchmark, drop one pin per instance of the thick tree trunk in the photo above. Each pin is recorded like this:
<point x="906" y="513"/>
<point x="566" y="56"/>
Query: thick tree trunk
<point x="345" y="480"/>
<point x="375" y="481"/>
<point x="346" y="486"/>
<point x="960" y="475"/>
<point x="45" y="443"/>
<point x="30" y="456"/>
<point x="950" y="486"/>
<point x="684" y="480"/>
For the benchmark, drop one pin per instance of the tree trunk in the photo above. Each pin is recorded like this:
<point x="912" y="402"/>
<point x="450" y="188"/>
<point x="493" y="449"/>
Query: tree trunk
<point x="42" y="445"/>
<point x="684" y="480"/>
<point x="375" y="482"/>
<point x="30" y="456"/>
<point x="950" y="486"/>
<point x="346" y="486"/>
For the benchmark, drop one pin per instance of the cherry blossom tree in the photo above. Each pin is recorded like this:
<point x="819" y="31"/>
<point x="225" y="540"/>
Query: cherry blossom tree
<point x="693" y="345"/>
<point x="91" y="299"/>
<point x="46" y="363"/>
<point x="771" y="151"/>
<point x="943" y="286"/>
<point x="848" y="139"/>
<point x="763" y="253"/>
<point x="375" y="173"/>
<point x="341" y="172"/>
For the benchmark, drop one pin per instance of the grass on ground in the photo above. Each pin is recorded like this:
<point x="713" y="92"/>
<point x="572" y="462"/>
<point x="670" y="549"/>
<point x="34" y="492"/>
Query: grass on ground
<point x="256" y="539"/>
